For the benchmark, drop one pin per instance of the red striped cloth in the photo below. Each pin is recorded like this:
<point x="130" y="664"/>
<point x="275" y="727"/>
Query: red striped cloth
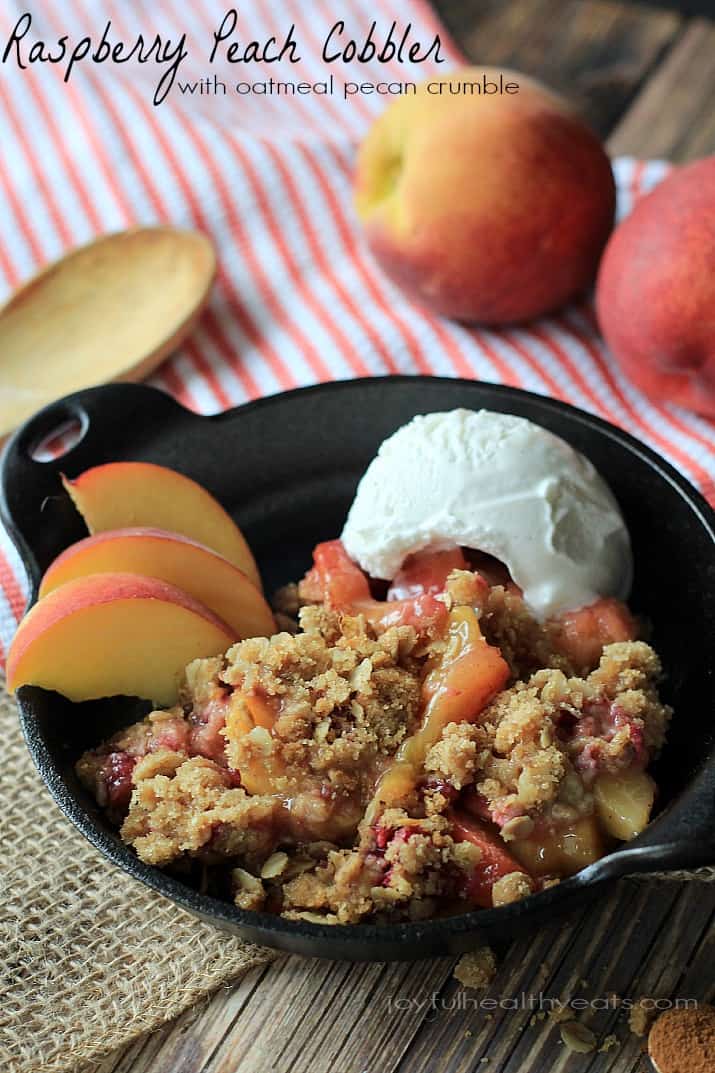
<point x="298" y="299"/>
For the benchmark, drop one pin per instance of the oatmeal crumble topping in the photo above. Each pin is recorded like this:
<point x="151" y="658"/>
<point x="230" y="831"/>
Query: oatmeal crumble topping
<point x="270" y="775"/>
<point x="476" y="970"/>
<point x="641" y="1015"/>
<point x="541" y="743"/>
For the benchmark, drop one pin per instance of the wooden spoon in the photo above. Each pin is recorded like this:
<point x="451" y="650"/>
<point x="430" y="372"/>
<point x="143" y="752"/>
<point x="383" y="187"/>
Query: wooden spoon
<point x="112" y="310"/>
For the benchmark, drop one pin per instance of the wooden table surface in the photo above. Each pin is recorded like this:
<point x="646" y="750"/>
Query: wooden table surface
<point x="645" y="78"/>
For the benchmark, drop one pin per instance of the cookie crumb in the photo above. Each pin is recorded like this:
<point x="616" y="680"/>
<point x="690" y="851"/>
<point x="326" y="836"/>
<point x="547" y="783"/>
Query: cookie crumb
<point x="608" y="1044"/>
<point x="511" y="888"/>
<point x="640" y="1016"/>
<point x="578" y="1037"/>
<point x="476" y="970"/>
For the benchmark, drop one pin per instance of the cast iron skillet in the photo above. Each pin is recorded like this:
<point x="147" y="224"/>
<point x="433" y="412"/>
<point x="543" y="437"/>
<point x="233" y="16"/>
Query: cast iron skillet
<point x="286" y="467"/>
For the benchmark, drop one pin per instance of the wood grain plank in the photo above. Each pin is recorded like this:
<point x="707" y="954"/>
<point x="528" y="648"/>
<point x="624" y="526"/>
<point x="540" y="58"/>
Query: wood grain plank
<point x="614" y="958"/>
<point x="595" y="52"/>
<point x="697" y="979"/>
<point x="346" y="1011"/>
<point x="661" y="973"/>
<point x="636" y="943"/>
<point x="467" y="1034"/>
<point x="306" y="1000"/>
<point x="296" y="1015"/>
<point x="673" y="115"/>
<point x="301" y="1016"/>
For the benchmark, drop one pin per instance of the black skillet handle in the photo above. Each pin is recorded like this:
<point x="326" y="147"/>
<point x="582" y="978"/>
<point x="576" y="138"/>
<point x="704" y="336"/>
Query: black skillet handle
<point x="115" y="422"/>
<point x="660" y="857"/>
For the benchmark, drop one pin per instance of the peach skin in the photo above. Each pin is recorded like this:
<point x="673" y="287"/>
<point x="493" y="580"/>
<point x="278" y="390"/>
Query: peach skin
<point x="200" y="572"/>
<point x="121" y="494"/>
<point x="486" y="208"/>
<point x="112" y="634"/>
<point x="656" y="290"/>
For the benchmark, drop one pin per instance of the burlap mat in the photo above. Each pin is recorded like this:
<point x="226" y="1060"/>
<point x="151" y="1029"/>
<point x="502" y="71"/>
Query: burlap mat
<point x="89" y="958"/>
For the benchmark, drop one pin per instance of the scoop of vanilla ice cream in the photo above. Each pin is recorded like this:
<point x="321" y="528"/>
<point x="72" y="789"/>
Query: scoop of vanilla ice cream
<point x="498" y="484"/>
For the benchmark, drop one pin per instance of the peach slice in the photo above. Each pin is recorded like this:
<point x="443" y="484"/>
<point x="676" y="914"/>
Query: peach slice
<point x="249" y="722"/>
<point x="562" y="851"/>
<point x="495" y="861"/>
<point x="112" y="634"/>
<point x="467" y="676"/>
<point x="624" y="800"/>
<point x="121" y="494"/>
<point x="581" y="635"/>
<point x="198" y="571"/>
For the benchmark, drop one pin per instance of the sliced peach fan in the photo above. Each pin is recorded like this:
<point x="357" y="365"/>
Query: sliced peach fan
<point x="113" y="633"/>
<point x="199" y="571"/>
<point x="122" y="494"/>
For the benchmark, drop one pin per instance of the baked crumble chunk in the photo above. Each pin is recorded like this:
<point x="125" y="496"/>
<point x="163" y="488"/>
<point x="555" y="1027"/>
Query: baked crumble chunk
<point x="393" y="760"/>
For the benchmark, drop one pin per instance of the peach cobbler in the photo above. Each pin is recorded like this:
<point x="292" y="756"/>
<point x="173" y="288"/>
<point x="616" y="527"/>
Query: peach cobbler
<point x="396" y="752"/>
<point x="458" y="711"/>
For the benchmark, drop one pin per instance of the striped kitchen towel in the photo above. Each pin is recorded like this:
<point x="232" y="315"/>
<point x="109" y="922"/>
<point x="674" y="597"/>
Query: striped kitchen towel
<point x="268" y="175"/>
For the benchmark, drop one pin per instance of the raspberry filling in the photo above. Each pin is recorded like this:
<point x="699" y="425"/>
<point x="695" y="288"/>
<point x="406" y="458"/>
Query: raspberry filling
<point x="116" y="775"/>
<point x="205" y="737"/>
<point x="589" y="734"/>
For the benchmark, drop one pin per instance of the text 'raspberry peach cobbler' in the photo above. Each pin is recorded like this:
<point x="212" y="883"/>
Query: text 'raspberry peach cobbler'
<point x="455" y="731"/>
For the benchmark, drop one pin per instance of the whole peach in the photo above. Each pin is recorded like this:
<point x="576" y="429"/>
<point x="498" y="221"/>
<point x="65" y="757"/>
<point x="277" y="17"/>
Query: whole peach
<point x="656" y="290"/>
<point x="489" y="207"/>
